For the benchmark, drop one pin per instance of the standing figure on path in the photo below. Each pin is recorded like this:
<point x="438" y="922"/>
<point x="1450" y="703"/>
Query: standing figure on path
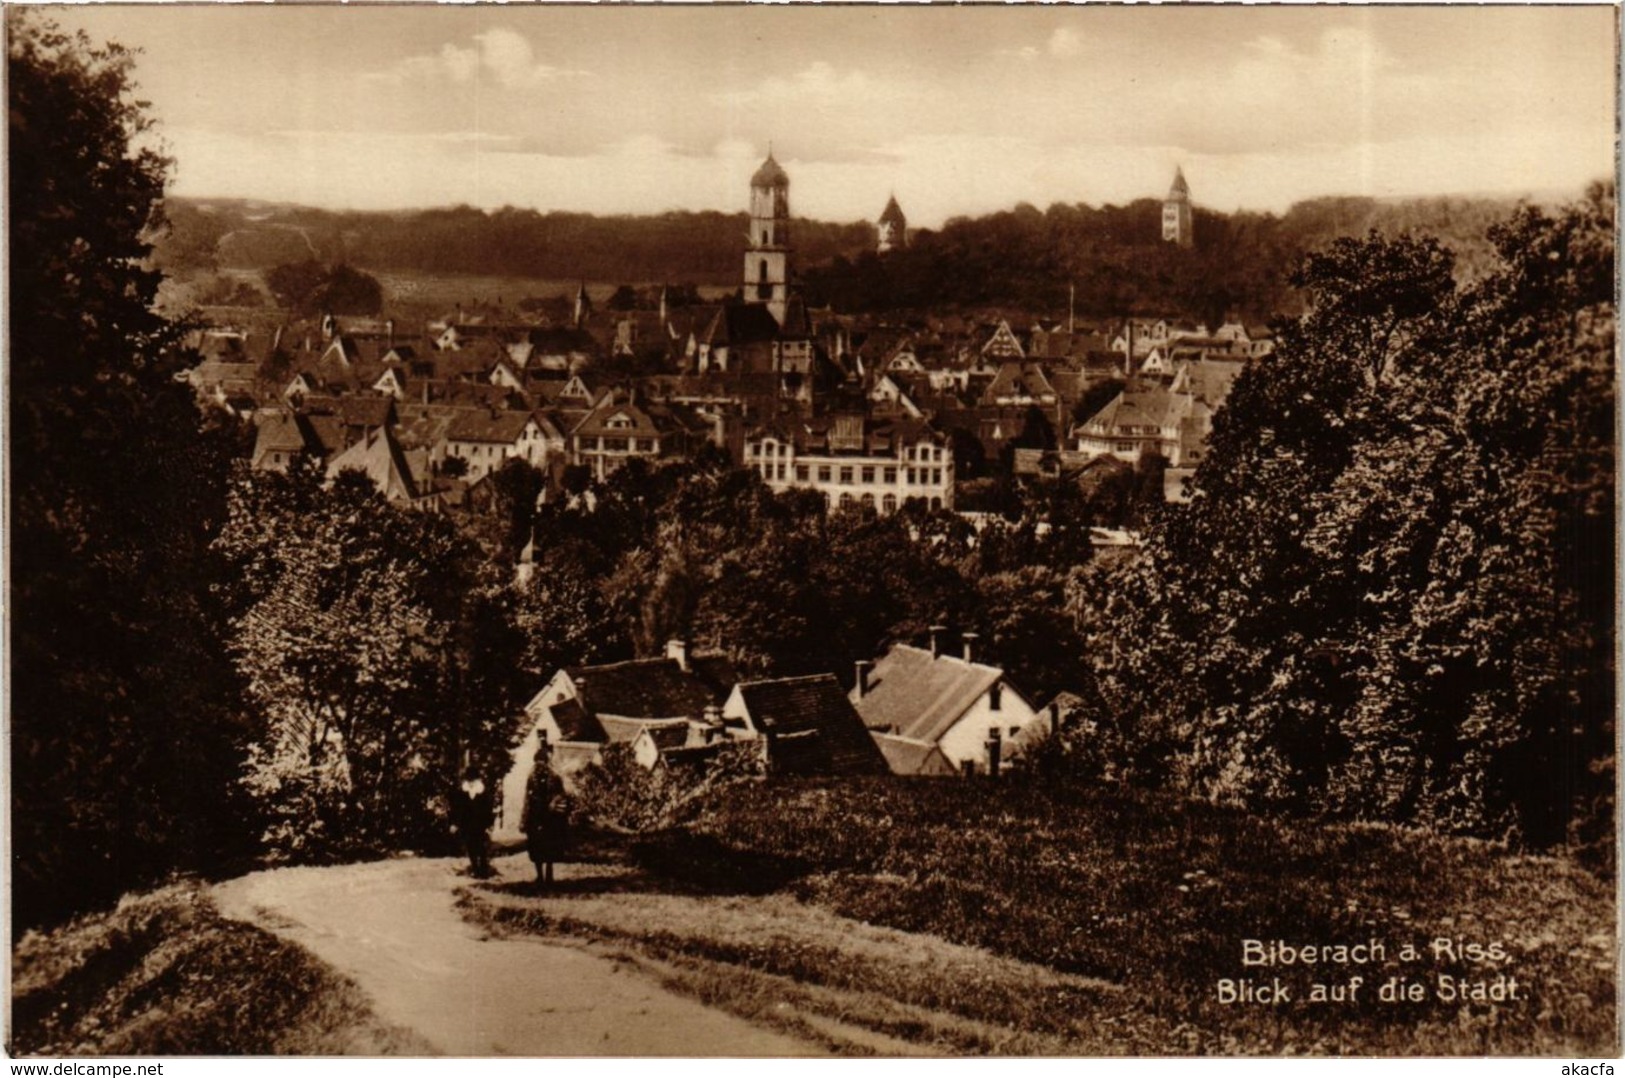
<point x="546" y="817"/>
<point x="472" y="816"/>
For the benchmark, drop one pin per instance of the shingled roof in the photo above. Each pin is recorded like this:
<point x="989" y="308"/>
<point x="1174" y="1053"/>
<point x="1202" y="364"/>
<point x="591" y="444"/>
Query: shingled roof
<point x="905" y="756"/>
<point x="484" y="425"/>
<point x="811" y="727"/>
<point x="575" y="724"/>
<point x="652" y="688"/>
<point x="920" y="696"/>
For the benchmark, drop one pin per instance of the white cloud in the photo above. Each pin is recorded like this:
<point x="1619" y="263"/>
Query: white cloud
<point x="503" y="55"/>
<point x="819" y="82"/>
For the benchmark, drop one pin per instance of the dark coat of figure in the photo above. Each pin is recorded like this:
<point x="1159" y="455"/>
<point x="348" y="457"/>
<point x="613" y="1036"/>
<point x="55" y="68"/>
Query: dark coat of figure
<point x="545" y="820"/>
<point x="472" y="813"/>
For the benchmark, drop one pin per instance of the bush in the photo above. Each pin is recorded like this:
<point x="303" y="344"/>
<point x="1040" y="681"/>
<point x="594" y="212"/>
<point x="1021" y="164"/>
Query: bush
<point x="619" y="793"/>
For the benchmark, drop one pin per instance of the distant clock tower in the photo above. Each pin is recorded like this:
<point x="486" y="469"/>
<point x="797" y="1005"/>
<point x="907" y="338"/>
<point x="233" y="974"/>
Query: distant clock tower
<point x="767" y="254"/>
<point x="1176" y="212"/>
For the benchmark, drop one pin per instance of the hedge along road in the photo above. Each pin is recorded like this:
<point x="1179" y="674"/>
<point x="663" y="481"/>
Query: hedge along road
<point x="390" y="926"/>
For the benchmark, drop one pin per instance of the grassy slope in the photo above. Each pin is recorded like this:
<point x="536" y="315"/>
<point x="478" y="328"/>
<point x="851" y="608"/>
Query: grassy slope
<point x="165" y="974"/>
<point x="1155" y="896"/>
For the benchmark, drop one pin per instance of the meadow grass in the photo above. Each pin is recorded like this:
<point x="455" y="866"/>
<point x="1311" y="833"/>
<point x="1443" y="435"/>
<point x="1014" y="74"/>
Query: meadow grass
<point x="1156" y="895"/>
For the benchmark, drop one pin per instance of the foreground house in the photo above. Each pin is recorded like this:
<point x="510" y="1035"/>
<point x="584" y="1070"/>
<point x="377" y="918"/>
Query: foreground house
<point x="583" y="708"/>
<point x="925" y="709"/>
<point x="808" y="725"/>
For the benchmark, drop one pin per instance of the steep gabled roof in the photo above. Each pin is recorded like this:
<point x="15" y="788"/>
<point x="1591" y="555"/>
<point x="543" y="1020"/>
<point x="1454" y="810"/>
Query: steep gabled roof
<point x="1017" y="379"/>
<point x="893" y="213"/>
<point x="379" y="457"/>
<point x="811" y="727"/>
<point x="918" y="696"/>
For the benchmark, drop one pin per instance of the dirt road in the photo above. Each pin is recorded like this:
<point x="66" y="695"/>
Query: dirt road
<point x="391" y="927"/>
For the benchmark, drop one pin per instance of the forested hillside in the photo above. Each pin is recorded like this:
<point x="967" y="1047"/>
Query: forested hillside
<point x="1111" y="255"/>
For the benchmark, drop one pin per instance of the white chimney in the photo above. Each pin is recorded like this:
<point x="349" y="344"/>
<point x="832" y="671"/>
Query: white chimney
<point x="970" y="644"/>
<point x="864" y="666"/>
<point x="936" y="638"/>
<point x="678" y="649"/>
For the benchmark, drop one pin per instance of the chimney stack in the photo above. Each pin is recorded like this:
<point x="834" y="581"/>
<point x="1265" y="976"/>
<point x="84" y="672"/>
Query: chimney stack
<point x="678" y="649"/>
<point x="970" y="644"/>
<point x="864" y="666"/>
<point x="936" y="638"/>
<point x="1055" y="716"/>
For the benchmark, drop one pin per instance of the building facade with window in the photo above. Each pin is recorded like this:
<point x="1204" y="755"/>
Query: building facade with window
<point x="856" y="460"/>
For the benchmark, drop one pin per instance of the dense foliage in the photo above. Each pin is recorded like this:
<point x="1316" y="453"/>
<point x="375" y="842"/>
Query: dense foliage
<point x="121" y="721"/>
<point x="376" y="660"/>
<point x="1112" y="255"/>
<point x="784" y="588"/>
<point x="311" y="288"/>
<point x="1110" y="261"/>
<point x="1392" y="595"/>
<point x="674" y="246"/>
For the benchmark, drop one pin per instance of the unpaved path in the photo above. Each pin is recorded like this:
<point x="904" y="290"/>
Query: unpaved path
<point x="391" y="927"/>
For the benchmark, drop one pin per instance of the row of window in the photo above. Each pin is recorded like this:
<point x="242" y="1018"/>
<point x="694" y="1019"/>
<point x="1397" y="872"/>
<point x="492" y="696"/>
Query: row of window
<point x="616" y="445"/>
<point x="867" y="474"/>
<point x="782" y="449"/>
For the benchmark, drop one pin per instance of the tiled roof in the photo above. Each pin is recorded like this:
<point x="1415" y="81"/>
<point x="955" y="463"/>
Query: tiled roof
<point x="906" y="756"/>
<point x="575" y="724"/>
<point x="352" y="410"/>
<point x="280" y="431"/>
<point x="379" y="457"/>
<point x="483" y="425"/>
<point x="917" y="696"/>
<point x="619" y="728"/>
<point x="649" y="688"/>
<point x="811" y="727"/>
<point x="1023" y="379"/>
<point x="741" y="323"/>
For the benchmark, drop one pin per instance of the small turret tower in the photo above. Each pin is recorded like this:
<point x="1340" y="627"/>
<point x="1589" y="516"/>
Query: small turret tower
<point x="767" y="253"/>
<point x="583" y="308"/>
<point x="893" y="227"/>
<point x="1176" y="212"/>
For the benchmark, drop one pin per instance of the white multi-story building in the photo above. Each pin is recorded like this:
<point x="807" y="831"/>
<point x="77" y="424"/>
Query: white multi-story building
<point x="855" y="460"/>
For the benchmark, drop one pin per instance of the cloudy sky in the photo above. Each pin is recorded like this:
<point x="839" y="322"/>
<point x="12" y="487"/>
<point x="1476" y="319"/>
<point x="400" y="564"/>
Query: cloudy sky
<point x="639" y="109"/>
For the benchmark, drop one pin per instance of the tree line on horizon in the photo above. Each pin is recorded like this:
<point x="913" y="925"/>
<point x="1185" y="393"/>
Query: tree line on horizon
<point x="1103" y="261"/>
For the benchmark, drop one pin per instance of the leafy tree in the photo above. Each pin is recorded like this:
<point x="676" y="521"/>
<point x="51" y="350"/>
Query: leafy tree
<point x="377" y="656"/>
<point x="1383" y="600"/>
<point x="309" y="287"/>
<point x="121" y="727"/>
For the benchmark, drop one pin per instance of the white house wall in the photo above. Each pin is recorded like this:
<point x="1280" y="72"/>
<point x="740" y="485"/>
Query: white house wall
<point x="967" y="738"/>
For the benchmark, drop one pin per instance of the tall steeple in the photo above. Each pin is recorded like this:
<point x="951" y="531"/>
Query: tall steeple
<point x="1176" y="211"/>
<point x="767" y="252"/>
<point x="583" y="307"/>
<point x="893" y="227"/>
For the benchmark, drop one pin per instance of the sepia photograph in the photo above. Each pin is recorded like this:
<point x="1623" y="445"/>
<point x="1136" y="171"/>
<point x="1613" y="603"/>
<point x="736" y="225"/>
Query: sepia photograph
<point x="809" y="530"/>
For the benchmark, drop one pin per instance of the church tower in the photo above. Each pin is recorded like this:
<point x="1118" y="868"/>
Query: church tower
<point x="1176" y="212"/>
<point x="767" y="252"/>
<point x="893" y="227"/>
